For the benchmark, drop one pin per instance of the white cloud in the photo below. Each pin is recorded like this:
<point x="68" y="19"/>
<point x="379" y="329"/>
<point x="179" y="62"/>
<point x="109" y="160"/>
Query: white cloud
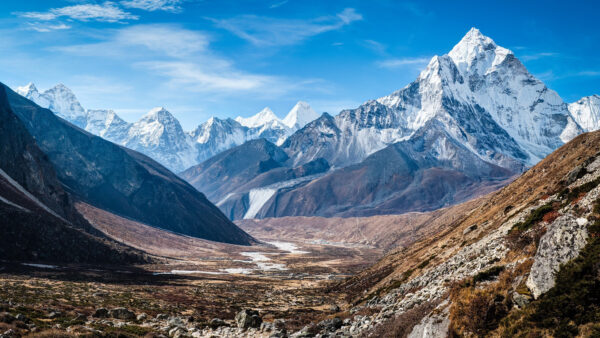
<point x="154" y="5"/>
<point x="44" y="28"/>
<point x="200" y="78"/>
<point x="537" y="56"/>
<point x="170" y="40"/>
<point x="265" y="31"/>
<point x="591" y="73"/>
<point x="396" y="63"/>
<point x="184" y="59"/>
<point x="167" y="40"/>
<point x="279" y="4"/>
<point x="106" y="12"/>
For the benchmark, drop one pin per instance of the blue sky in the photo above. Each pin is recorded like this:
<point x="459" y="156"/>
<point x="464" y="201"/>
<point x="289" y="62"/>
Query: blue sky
<point x="228" y="58"/>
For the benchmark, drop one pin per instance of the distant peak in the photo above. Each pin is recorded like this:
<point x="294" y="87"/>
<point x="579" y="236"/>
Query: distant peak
<point x="301" y="114"/>
<point x="160" y="114"/>
<point x="265" y="116"/>
<point x="60" y="87"/>
<point x="266" y="112"/>
<point x="29" y="88"/>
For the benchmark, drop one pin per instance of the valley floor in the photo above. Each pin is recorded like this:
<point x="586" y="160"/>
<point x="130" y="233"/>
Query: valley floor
<point x="191" y="280"/>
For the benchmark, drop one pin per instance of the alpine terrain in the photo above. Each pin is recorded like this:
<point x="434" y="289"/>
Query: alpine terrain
<point x="474" y="118"/>
<point x="159" y="135"/>
<point x="121" y="180"/>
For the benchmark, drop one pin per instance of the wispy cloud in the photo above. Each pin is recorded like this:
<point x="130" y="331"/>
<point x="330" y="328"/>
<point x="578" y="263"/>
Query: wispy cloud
<point x="279" y="4"/>
<point x="106" y="12"/>
<point x="44" y="28"/>
<point x="201" y="77"/>
<point x="416" y="10"/>
<point x="401" y="62"/>
<point x="169" y="40"/>
<point x="378" y="47"/>
<point x="537" y="56"/>
<point x="183" y="58"/>
<point x="154" y="5"/>
<point x="266" y="31"/>
<point x="591" y="73"/>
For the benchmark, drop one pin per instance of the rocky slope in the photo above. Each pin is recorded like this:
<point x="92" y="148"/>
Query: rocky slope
<point x="514" y="265"/>
<point x="121" y="180"/>
<point x="37" y="218"/>
<point x="159" y="134"/>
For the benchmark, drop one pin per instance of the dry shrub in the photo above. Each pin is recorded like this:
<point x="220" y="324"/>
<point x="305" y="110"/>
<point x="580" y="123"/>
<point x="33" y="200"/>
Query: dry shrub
<point x="550" y="217"/>
<point x="52" y="333"/>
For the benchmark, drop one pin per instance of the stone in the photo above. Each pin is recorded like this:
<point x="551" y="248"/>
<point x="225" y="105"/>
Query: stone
<point x="248" y="319"/>
<point x="162" y="316"/>
<point x="470" y="229"/>
<point x="334" y="308"/>
<point x="217" y="322"/>
<point x="100" y="313"/>
<point x="331" y="325"/>
<point x="520" y="300"/>
<point x="6" y="317"/>
<point x="54" y="314"/>
<point x="176" y="322"/>
<point x="279" y="324"/>
<point x="121" y="313"/>
<point x="566" y="236"/>
<point x="22" y="318"/>
<point x="177" y="332"/>
<point x="141" y="317"/>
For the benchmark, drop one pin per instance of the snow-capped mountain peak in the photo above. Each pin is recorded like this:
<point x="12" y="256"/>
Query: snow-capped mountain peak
<point x="301" y="114"/>
<point x="160" y="114"/>
<point x="263" y="117"/>
<point x="478" y="51"/>
<point x="27" y="90"/>
<point x="586" y="111"/>
<point x="59" y="99"/>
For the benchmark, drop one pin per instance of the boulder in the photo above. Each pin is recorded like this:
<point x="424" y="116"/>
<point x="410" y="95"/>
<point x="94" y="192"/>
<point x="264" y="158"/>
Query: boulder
<point x="566" y="236"/>
<point x="100" y="313"/>
<point x="248" y="319"/>
<point x="216" y="322"/>
<point x="6" y="318"/>
<point x="470" y="229"/>
<point x="121" y="313"/>
<point x="176" y="322"/>
<point x="520" y="300"/>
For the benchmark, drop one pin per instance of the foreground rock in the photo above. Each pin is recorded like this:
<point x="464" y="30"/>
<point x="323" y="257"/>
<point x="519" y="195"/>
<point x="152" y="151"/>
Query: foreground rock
<point x="248" y="319"/>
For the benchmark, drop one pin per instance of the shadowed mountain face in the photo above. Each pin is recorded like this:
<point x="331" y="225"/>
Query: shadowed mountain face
<point x="405" y="176"/>
<point x="225" y="172"/>
<point x="37" y="219"/>
<point x="121" y="180"/>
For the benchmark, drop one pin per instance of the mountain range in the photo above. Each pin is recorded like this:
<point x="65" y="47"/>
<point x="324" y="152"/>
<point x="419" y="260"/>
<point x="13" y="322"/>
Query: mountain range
<point x="117" y="179"/>
<point x="473" y="118"/>
<point x="159" y="134"/>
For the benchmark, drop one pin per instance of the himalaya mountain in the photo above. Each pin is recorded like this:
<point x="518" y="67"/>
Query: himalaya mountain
<point x="471" y="120"/>
<point x="120" y="180"/>
<point x="159" y="134"/>
<point x="586" y="112"/>
<point x="38" y="220"/>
